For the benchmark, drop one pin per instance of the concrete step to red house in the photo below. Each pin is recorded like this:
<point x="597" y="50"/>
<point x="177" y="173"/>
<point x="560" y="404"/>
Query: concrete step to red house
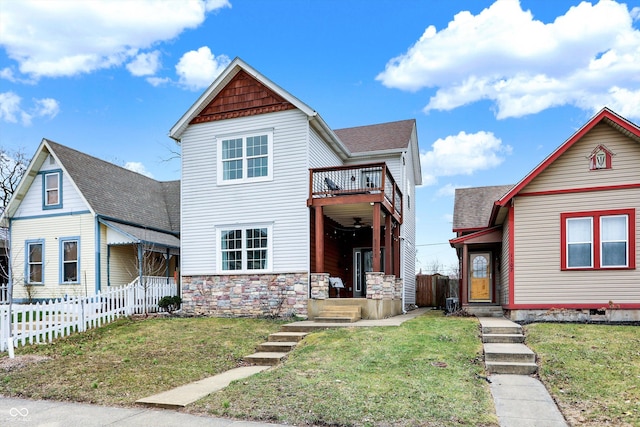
<point x="508" y="353"/>
<point x="502" y="338"/>
<point x="511" y="368"/>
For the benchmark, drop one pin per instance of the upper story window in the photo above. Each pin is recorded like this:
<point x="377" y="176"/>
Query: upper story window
<point x="245" y="158"/>
<point x="34" y="273"/>
<point x="244" y="248"/>
<point x="598" y="240"/>
<point x="52" y="189"/>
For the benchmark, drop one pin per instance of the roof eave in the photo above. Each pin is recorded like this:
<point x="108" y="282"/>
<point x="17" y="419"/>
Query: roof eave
<point x="219" y="83"/>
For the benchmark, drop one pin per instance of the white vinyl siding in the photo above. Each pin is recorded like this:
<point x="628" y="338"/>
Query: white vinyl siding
<point x="281" y="201"/>
<point x="51" y="230"/>
<point x="320" y="154"/>
<point x="32" y="204"/>
<point x="538" y="277"/>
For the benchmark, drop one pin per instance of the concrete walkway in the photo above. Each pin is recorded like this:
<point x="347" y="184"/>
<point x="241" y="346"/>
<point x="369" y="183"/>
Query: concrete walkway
<point x="48" y="413"/>
<point x="189" y="393"/>
<point x="520" y="400"/>
<point x="523" y="401"/>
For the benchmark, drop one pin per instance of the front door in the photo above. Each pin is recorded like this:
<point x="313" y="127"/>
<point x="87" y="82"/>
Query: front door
<point x="480" y="277"/>
<point x="362" y="264"/>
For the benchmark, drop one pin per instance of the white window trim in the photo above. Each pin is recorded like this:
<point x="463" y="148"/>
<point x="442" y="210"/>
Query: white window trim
<point x="244" y="136"/>
<point x="626" y="241"/>
<point x="244" y="227"/>
<point x="591" y="242"/>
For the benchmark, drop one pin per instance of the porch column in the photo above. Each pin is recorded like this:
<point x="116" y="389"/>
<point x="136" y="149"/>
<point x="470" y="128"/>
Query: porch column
<point x="464" y="286"/>
<point x="388" y="245"/>
<point x="376" y="237"/>
<point x="140" y="260"/>
<point x="396" y="250"/>
<point x="319" y="228"/>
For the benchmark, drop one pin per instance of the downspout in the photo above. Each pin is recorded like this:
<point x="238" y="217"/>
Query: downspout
<point x="403" y="241"/>
<point x="98" y="244"/>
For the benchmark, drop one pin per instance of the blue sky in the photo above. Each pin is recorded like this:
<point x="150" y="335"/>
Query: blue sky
<point x="494" y="86"/>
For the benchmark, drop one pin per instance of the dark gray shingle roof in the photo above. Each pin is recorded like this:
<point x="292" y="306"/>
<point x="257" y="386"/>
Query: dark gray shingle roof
<point x="118" y="193"/>
<point x="383" y="136"/>
<point x="472" y="206"/>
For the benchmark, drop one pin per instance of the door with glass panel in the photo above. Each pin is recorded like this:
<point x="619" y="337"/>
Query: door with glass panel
<point x="480" y="277"/>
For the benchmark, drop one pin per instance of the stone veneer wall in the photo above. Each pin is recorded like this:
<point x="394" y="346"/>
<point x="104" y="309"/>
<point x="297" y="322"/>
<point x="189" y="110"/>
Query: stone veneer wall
<point x="256" y="295"/>
<point x="319" y="285"/>
<point x="382" y="286"/>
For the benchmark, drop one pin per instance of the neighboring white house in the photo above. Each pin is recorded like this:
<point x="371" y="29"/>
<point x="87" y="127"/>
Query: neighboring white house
<point x="562" y="243"/>
<point x="274" y="202"/>
<point x="78" y="224"/>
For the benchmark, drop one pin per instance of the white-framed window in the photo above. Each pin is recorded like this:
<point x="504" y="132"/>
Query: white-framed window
<point x="244" y="248"/>
<point x="580" y="242"/>
<point x="598" y="239"/>
<point x="52" y="189"/>
<point x="34" y="262"/>
<point x="245" y="158"/>
<point x="69" y="260"/>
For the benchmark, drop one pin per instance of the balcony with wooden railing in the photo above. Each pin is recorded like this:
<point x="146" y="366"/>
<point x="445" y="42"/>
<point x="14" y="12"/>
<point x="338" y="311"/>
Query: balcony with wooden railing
<point x="364" y="183"/>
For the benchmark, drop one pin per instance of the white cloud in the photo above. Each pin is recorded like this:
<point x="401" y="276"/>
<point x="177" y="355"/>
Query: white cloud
<point x="64" y="38"/>
<point x="157" y="81"/>
<point x="462" y="154"/>
<point x="138" y="167"/>
<point x="198" y="68"/>
<point x="523" y="65"/>
<point x="12" y="112"/>
<point x="145" y="64"/>
<point x="448" y="190"/>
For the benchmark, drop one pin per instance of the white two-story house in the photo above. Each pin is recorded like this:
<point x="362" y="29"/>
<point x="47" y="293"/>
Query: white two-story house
<point x="282" y="215"/>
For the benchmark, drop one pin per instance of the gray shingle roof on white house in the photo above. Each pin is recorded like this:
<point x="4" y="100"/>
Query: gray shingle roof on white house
<point x="117" y="193"/>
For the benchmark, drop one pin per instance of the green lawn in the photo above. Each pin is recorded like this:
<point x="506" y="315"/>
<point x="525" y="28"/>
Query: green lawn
<point x="592" y="371"/>
<point x="421" y="373"/>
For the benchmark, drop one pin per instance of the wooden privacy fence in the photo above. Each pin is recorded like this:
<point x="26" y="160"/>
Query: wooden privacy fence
<point x="432" y="290"/>
<point x="46" y="321"/>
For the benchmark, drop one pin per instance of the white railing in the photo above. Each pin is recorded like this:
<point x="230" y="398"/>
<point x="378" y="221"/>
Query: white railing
<point x="45" y="321"/>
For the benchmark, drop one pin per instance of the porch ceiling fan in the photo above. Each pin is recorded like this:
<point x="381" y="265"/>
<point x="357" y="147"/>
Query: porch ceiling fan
<point x="357" y="222"/>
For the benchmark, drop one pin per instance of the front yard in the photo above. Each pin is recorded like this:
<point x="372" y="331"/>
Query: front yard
<point x="592" y="371"/>
<point x="426" y="372"/>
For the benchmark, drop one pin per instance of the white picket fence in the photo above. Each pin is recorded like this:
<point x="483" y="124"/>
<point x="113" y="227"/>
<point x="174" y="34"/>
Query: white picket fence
<point x="46" y="321"/>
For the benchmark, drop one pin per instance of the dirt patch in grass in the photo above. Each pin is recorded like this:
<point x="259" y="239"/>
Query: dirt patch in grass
<point x="7" y="364"/>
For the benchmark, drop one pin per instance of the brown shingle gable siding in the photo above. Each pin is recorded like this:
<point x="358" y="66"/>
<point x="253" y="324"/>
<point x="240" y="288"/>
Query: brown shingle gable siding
<point x="472" y="206"/>
<point x="242" y="96"/>
<point x="115" y="192"/>
<point x="378" y="137"/>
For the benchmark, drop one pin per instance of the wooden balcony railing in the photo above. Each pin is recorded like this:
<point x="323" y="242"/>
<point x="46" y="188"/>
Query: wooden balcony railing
<point x="370" y="178"/>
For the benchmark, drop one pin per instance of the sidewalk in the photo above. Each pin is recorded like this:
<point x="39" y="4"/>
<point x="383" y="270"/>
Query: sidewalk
<point x="45" y="413"/>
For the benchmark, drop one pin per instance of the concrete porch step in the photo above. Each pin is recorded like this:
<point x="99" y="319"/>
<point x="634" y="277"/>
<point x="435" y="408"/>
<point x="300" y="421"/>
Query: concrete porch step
<point x="512" y="368"/>
<point x="485" y="310"/>
<point x="303" y="327"/>
<point x="265" y="358"/>
<point x="287" y="336"/>
<point x="518" y="353"/>
<point x="336" y="319"/>
<point x="503" y="338"/>
<point x="277" y="346"/>
<point x="339" y="314"/>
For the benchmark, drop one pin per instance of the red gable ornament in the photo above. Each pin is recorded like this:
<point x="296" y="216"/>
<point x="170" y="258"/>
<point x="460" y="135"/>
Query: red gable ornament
<point x="600" y="158"/>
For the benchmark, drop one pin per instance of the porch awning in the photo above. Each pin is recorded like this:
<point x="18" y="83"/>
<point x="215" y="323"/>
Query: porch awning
<point x="120" y="234"/>
<point x="489" y="235"/>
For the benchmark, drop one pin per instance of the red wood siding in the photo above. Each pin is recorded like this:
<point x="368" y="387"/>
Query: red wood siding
<point x="242" y="96"/>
